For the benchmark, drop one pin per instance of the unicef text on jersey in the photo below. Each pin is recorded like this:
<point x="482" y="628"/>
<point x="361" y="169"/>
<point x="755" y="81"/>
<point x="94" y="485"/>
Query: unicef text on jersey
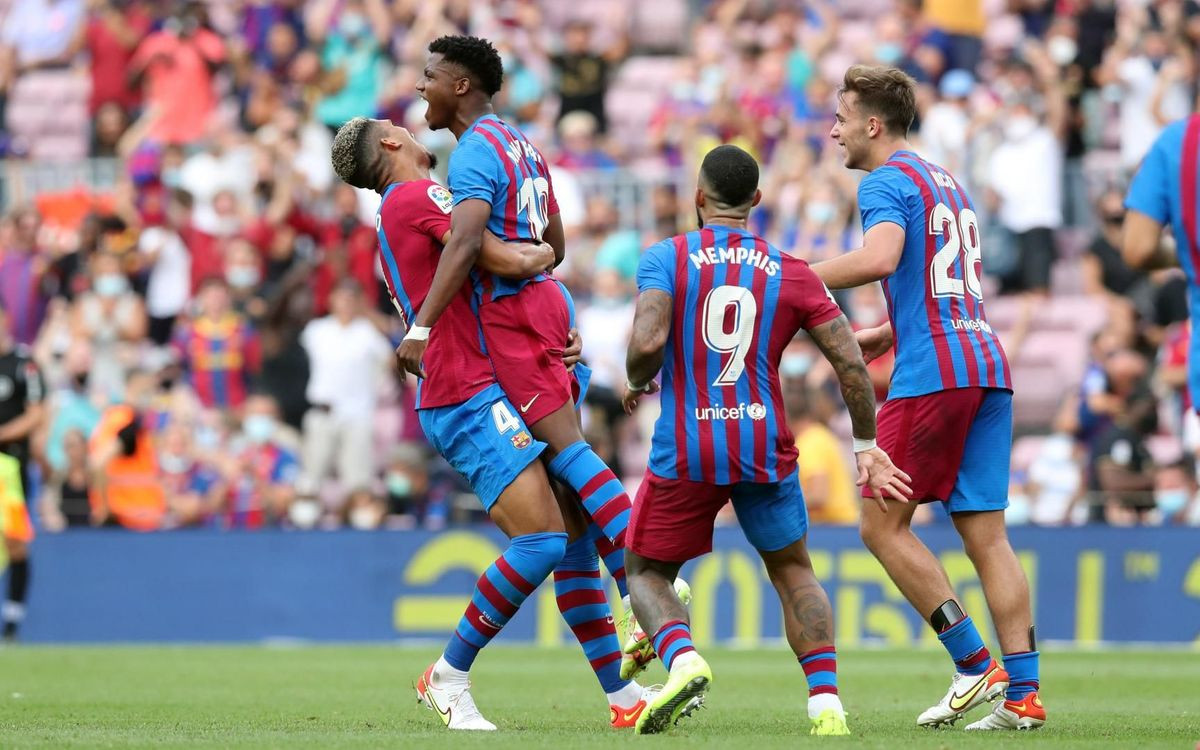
<point x="750" y="256"/>
<point x="755" y="411"/>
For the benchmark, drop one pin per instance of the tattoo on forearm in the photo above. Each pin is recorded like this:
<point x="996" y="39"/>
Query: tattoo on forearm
<point x="836" y="341"/>
<point x="651" y="324"/>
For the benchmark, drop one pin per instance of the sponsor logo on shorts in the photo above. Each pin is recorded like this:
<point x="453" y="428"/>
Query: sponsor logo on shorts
<point x="755" y="411"/>
<point x="521" y="440"/>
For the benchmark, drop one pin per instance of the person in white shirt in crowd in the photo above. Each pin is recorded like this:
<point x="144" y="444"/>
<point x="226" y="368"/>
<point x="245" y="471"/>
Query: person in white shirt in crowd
<point x="945" y="128"/>
<point x="348" y="359"/>
<point x="1030" y="209"/>
<point x="605" y="325"/>
<point x="170" y="264"/>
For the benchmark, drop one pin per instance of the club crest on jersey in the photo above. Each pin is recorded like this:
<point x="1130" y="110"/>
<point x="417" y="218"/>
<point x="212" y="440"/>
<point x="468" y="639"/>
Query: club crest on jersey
<point x="441" y="198"/>
<point x="745" y="255"/>
<point x="521" y="440"/>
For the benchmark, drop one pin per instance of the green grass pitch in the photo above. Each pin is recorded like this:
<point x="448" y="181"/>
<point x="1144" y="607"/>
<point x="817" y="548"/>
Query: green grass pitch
<point x="360" y="697"/>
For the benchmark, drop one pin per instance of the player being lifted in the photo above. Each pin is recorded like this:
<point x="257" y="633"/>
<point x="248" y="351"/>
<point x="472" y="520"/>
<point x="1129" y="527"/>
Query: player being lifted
<point x="948" y="417"/>
<point x="716" y="307"/>
<point x="469" y="420"/>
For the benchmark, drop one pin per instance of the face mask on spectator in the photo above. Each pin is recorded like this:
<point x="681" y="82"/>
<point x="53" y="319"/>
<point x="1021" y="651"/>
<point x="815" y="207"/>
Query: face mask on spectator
<point x="1170" y="502"/>
<point x="819" y="212"/>
<point x="304" y="514"/>
<point x="258" y="428"/>
<point x="795" y="365"/>
<point x="1019" y="127"/>
<point x="352" y="25"/>
<point x="173" y="464"/>
<point x="364" y="518"/>
<point x="399" y="485"/>
<point x="170" y="177"/>
<point x="1061" y="49"/>
<point x="110" y="285"/>
<point x="888" y="53"/>
<point x="243" y="277"/>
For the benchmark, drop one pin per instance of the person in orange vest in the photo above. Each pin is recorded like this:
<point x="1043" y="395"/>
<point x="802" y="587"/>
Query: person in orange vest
<point x="125" y="487"/>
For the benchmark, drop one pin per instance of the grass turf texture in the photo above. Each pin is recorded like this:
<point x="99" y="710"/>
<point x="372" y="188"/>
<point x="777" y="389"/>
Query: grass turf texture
<point x="351" y="697"/>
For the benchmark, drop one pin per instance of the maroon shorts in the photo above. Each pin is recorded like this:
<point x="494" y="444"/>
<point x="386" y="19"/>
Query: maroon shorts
<point x="955" y="444"/>
<point x="525" y="335"/>
<point x="672" y="519"/>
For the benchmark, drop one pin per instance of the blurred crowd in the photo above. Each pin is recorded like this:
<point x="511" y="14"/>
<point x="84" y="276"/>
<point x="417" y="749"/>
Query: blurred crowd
<point x="216" y="342"/>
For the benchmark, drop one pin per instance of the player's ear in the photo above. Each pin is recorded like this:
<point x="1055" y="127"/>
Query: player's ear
<point x="699" y="198"/>
<point x="462" y="86"/>
<point x="391" y="144"/>
<point x="757" y="198"/>
<point x="873" y="127"/>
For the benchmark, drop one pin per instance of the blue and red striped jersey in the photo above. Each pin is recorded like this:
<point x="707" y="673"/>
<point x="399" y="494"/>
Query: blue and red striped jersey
<point x="738" y="301"/>
<point x="1166" y="189"/>
<point x="220" y="357"/>
<point x="934" y="297"/>
<point x="495" y="163"/>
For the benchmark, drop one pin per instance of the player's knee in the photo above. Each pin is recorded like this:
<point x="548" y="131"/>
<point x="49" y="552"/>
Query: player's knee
<point x="874" y="533"/>
<point x="543" y="551"/>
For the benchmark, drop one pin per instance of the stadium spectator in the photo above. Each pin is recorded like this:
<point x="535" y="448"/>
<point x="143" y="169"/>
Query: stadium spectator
<point x="348" y="250"/>
<point x="579" y="150"/>
<point x="125" y="488"/>
<point x="175" y="67"/>
<point x="258" y="479"/>
<point x="583" y="74"/>
<point x="347" y="358"/>
<point x="353" y="37"/>
<point x="364" y="511"/>
<point x="189" y="483"/>
<point x="114" y="30"/>
<point x="604" y="325"/>
<point x="64" y="502"/>
<point x="23" y="277"/>
<point x="111" y="319"/>
<point x="825" y="478"/>
<point x="946" y="126"/>
<point x="218" y="349"/>
<point x="169" y="282"/>
<point x="1124" y="469"/>
<point x="70" y="408"/>
<point x="1175" y="490"/>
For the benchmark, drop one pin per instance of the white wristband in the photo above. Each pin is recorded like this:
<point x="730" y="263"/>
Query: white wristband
<point x="418" y="333"/>
<point x="862" y="446"/>
<point x="636" y="389"/>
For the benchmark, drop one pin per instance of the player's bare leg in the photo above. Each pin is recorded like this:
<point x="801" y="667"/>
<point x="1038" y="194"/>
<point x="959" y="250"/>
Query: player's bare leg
<point x="658" y="608"/>
<point x="808" y="622"/>
<point x="585" y="608"/>
<point x="985" y="539"/>
<point x="908" y="562"/>
<point x="528" y="513"/>
<point x="921" y="578"/>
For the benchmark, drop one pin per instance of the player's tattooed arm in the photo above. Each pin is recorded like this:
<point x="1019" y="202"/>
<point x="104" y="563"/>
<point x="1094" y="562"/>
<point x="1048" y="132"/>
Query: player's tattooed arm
<point x="836" y="341"/>
<point x="651" y="324"/>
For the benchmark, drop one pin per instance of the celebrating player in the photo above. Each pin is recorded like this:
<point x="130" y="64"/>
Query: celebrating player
<point x="501" y="182"/>
<point x="948" y="417"/>
<point x="1165" y="191"/>
<point x="469" y="420"/>
<point x="716" y="307"/>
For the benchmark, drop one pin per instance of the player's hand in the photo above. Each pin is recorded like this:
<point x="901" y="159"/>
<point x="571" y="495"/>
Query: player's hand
<point x="574" y="350"/>
<point x="409" y="355"/>
<point x="630" y="397"/>
<point x="875" y="342"/>
<point x="881" y="478"/>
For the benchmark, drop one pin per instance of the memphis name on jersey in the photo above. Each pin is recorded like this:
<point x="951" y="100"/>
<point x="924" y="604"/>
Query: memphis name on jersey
<point x="746" y="255"/>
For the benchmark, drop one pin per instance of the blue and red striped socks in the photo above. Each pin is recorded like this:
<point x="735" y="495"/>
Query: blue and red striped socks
<point x="820" y="669"/>
<point x="500" y="591"/>
<point x="586" y="610"/>
<point x="966" y="647"/>
<point x="672" y="639"/>
<point x="602" y="494"/>
<point x="1022" y="668"/>
<point x="613" y="554"/>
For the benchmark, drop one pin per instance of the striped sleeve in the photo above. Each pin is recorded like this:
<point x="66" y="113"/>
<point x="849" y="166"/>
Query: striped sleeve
<point x="883" y="196"/>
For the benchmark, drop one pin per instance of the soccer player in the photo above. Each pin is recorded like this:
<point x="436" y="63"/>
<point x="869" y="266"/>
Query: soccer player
<point x="948" y="416"/>
<point x="469" y="420"/>
<point x="21" y="413"/>
<point x="501" y="182"/>
<point x="1165" y="191"/>
<point x="716" y="307"/>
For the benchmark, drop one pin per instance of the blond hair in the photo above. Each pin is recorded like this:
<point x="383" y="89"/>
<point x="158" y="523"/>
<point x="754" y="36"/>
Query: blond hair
<point x="887" y="92"/>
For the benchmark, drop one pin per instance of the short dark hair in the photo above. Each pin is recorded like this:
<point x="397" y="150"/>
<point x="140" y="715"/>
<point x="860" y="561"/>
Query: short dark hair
<point x="355" y="156"/>
<point x="475" y="55"/>
<point x="730" y="175"/>
<point x="887" y="92"/>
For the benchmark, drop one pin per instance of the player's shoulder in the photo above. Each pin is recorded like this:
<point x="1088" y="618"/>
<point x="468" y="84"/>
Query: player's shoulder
<point x="1170" y="140"/>
<point x="891" y="177"/>
<point x="406" y="196"/>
